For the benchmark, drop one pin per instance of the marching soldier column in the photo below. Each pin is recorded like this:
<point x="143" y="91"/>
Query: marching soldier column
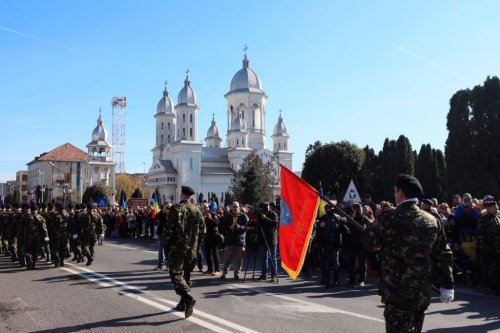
<point x="30" y="233"/>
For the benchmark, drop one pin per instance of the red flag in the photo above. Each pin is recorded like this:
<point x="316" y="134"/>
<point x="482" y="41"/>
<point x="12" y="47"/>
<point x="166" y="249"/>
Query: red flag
<point x="299" y="206"/>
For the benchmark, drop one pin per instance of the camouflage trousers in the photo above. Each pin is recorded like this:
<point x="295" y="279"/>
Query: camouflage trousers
<point x="398" y="320"/>
<point x="88" y="248"/>
<point x="30" y="250"/>
<point x="180" y="267"/>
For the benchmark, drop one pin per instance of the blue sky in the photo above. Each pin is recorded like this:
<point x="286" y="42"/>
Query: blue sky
<point x="359" y="70"/>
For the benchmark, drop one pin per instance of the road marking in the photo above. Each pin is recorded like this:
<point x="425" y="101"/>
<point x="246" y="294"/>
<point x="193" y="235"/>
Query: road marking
<point x="131" y="248"/>
<point x="111" y="282"/>
<point x="310" y="305"/>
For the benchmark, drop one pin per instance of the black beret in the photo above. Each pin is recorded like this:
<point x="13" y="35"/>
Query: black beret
<point x="33" y="206"/>
<point x="410" y="185"/>
<point x="187" y="190"/>
<point x="83" y="206"/>
<point x="427" y="202"/>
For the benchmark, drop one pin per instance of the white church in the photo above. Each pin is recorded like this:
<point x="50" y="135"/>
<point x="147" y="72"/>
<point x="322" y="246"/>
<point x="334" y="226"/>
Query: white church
<point x="181" y="158"/>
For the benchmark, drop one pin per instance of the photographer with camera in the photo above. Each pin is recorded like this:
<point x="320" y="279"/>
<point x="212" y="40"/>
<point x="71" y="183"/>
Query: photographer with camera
<point x="267" y="231"/>
<point x="328" y="231"/>
<point x="213" y="240"/>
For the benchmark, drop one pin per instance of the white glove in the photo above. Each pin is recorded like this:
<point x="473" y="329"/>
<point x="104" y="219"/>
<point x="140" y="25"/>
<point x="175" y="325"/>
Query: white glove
<point x="447" y="295"/>
<point x="46" y="239"/>
<point x="101" y="236"/>
<point x="75" y="236"/>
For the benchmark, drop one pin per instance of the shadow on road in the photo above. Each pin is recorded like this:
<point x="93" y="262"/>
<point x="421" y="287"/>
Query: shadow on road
<point x="116" y="322"/>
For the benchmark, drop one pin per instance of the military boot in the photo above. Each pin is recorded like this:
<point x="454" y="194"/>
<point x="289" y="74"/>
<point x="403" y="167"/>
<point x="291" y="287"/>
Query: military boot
<point x="28" y="263"/>
<point x="56" y="261"/>
<point x="22" y="261"/>
<point x="61" y="261"/>
<point x="181" y="306"/>
<point x="190" y="302"/>
<point x="89" y="260"/>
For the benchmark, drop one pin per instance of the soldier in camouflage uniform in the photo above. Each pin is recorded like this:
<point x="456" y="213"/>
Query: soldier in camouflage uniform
<point x="413" y="248"/>
<point x="33" y="230"/>
<point x="11" y="232"/>
<point x="3" y="231"/>
<point x="74" y="243"/>
<point x="59" y="237"/>
<point x="16" y="220"/>
<point x="87" y="233"/>
<point x="47" y="212"/>
<point x="98" y="229"/>
<point x="488" y="244"/>
<point x="180" y="235"/>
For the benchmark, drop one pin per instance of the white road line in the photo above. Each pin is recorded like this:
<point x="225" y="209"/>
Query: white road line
<point x="110" y="282"/>
<point x="131" y="248"/>
<point x="214" y="318"/>
<point x="316" y="306"/>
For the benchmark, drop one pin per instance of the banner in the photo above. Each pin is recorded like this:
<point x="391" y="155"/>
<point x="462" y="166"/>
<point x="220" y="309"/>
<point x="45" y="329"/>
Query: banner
<point x="299" y="206"/>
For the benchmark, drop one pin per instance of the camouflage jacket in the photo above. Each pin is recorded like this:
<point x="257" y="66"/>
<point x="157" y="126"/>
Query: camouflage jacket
<point x="488" y="236"/>
<point x="413" y="250"/>
<point x="183" y="229"/>
<point x="98" y="222"/>
<point x="86" y="227"/>
<point x="60" y="225"/>
<point x="33" y="227"/>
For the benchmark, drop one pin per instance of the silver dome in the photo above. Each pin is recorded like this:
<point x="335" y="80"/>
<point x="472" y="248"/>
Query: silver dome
<point x="100" y="133"/>
<point x="239" y="124"/>
<point x="165" y="104"/>
<point x="246" y="80"/>
<point x="187" y="95"/>
<point x="213" y="131"/>
<point x="280" y="128"/>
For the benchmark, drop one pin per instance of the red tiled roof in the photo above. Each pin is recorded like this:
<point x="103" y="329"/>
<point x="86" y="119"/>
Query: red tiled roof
<point x="66" y="153"/>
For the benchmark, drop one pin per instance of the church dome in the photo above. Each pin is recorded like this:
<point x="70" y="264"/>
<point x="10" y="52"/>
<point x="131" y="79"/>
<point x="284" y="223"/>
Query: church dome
<point x="246" y="80"/>
<point x="100" y="133"/>
<point x="165" y="104"/>
<point x="280" y="128"/>
<point x="238" y="124"/>
<point x="213" y="131"/>
<point x="187" y="95"/>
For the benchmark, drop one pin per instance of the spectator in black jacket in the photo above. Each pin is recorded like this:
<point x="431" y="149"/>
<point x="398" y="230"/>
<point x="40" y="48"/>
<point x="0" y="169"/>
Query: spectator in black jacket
<point x="354" y="249"/>
<point x="234" y="227"/>
<point x="161" y="219"/>
<point x="267" y="231"/>
<point x="212" y="240"/>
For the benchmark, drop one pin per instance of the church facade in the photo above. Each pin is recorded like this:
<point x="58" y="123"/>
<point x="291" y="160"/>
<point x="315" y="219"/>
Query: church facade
<point x="181" y="158"/>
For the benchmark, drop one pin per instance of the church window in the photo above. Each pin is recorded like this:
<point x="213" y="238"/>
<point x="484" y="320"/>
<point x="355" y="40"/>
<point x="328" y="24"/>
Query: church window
<point x="284" y="145"/>
<point x="191" y="163"/>
<point x="168" y="126"/>
<point x="168" y="138"/>
<point x="162" y="126"/>
<point x="243" y="142"/>
<point x="183" y="118"/>
<point x="279" y="145"/>
<point x="253" y="118"/>
<point x="191" y="118"/>
<point x="184" y="133"/>
<point x="191" y="133"/>
<point x="162" y="139"/>
<point x="243" y="114"/>
<point x="237" y="141"/>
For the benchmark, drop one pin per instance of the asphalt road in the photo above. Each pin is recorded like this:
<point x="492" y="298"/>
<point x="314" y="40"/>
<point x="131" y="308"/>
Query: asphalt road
<point x="120" y="292"/>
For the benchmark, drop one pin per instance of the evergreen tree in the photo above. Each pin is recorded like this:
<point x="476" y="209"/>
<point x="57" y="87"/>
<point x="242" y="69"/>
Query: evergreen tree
<point x="94" y="193"/>
<point x="458" y="147"/>
<point x="370" y="174"/>
<point x="426" y="171"/>
<point x="395" y="158"/>
<point x="254" y="181"/>
<point x="137" y="193"/>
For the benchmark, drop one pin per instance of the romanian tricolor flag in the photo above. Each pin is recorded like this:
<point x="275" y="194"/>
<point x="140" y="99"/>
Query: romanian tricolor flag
<point x="156" y="208"/>
<point x="299" y="206"/>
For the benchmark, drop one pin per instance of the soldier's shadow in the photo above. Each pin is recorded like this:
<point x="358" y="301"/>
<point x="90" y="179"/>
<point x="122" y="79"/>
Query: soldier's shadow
<point x="470" y="308"/>
<point x="117" y="322"/>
